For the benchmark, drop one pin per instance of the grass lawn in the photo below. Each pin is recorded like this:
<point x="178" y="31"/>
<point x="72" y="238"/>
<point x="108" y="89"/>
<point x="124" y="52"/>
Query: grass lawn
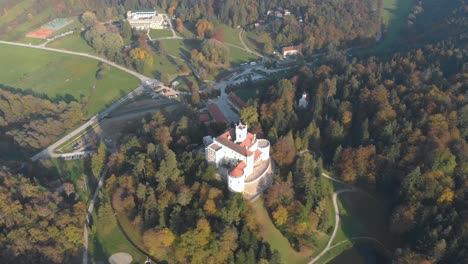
<point x="160" y="33"/>
<point x="31" y="41"/>
<point x="179" y="47"/>
<point x="73" y="42"/>
<point x="274" y="237"/>
<point x="248" y="37"/>
<point x="239" y="56"/>
<point x="231" y="35"/>
<point x="332" y="253"/>
<point x="72" y="171"/>
<point x="163" y="64"/>
<point x="25" y="26"/>
<point x="394" y="17"/>
<point x="363" y="216"/>
<point x="62" y="76"/>
<point x="105" y="239"/>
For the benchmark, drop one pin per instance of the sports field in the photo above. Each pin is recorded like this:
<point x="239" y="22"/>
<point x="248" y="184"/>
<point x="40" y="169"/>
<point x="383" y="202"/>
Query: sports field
<point x="394" y="17"/>
<point x="63" y="76"/>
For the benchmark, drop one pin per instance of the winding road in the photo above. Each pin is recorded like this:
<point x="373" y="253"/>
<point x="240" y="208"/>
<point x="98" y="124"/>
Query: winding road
<point x="337" y="218"/>
<point x="49" y="151"/>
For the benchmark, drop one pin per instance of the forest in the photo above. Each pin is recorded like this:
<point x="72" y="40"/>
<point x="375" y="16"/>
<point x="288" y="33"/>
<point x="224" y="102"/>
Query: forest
<point x="36" y="224"/>
<point x="395" y="125"/>
<point x="34" y="122"/>
<point x="172" y="198"/>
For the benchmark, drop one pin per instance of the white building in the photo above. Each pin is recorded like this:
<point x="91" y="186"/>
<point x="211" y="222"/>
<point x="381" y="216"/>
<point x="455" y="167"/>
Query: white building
<point x="142" y="20"/>
<point x="239" y="152"/>
<point x="291" y="50"/>
<point x="304" y="101"/>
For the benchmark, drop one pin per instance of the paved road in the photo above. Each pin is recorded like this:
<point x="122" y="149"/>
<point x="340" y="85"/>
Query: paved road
<point x="136" y="74"/>
<point x="49" y="151"/>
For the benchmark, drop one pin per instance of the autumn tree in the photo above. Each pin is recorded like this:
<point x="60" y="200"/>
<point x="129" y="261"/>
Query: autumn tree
<point x="98" y="160"/>
<point x="179" y="25"/>
<point x="284" y="151"/>
<point x="204" y="28"/>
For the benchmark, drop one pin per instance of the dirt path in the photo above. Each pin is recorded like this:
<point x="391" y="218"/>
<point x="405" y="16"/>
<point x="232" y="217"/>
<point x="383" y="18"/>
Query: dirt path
<point x="241" y="33"/>
<point x="337" y="217"/>
<point x="89" y="212"/>
<point x="337" y="224"/>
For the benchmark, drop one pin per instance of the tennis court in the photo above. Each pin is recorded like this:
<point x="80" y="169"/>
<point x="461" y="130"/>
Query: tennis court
<point x="49" y="28"/>
<point x="57" y="23"/>
<point x="40" y="33"/>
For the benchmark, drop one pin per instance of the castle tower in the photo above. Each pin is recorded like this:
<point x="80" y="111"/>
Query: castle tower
<point x="241" y="132"/>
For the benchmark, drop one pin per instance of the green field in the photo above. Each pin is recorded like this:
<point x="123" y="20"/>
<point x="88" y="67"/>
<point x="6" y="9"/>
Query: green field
<point x="362" y="216"/>
<point x="105" y="239"/>
<point x="248" y="37"/>
<point x="72" y="171"/>
<point x="63" y="76"/>
<point x="239" y="56"/>
<point x="73" y="42"/>
<point x="231" y="35"/>
<point x="394" y="17"/>
<point x="160" y="33"/>
<point x="31" y="41"/>
<point x="274" y="237"/>
<point x="163" y="64"/>
<point x="179" y="47"/>
<point x="25" y="26"/>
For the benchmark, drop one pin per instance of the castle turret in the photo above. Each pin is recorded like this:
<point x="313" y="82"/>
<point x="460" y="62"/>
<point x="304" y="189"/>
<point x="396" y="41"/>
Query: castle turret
<point x="241" y="132"/>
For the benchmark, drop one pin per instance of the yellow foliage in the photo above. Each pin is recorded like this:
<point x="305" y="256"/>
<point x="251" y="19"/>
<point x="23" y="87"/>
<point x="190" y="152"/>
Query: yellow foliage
<point x="301" y="228"/>
<point x="210" y="207"/>
<point x="446" y="197"/>
<point x="347" y="117"/>
<point x="280" y="215"/>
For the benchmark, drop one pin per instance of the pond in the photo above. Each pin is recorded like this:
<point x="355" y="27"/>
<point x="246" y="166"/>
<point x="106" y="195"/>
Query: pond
<point x="362" y="253"/>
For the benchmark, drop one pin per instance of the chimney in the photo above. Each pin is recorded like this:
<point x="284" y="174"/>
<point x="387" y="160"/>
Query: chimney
<point x="254" y="137"/>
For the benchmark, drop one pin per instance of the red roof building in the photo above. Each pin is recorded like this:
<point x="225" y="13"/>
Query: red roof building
<point x="216" y="113"/>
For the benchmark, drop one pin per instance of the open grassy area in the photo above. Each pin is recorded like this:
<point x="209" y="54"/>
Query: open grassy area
<point x="332" y="253"/>
<point x="105" y="239"/>
<point x="31" y="41"/>
<point x="274" y="237"/>
<point x="160" y="33"/>
<point x="73" y="171"/>
<point x="239" y="56"/>
<point x="231" y="35"/>
<point x="73" y="42"/>
<point x="248" y="38"/>
<point x="363" y="216"/>
<point x="63" y="76"/>
<point x="163" y="64"/>
<point x="179" y="47"/>
<point x="394" y="17"/>
<point x="25" y="26"/>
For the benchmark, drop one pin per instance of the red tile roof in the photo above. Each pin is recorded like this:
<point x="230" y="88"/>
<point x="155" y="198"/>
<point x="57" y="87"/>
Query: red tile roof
<point x="258" y="153"/>
<point x="291" y="48"/>
<point x="216" y="113"/>
<point x="238" y="171"/>
<point x="204" y="117"/>
<point x="239" y="103"/>
<point x="249" y="141"/>
<point x="231" y="145"/>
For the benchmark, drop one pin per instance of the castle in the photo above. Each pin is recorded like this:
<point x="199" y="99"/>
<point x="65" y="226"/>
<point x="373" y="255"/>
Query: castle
<point x="242" y="159"/>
